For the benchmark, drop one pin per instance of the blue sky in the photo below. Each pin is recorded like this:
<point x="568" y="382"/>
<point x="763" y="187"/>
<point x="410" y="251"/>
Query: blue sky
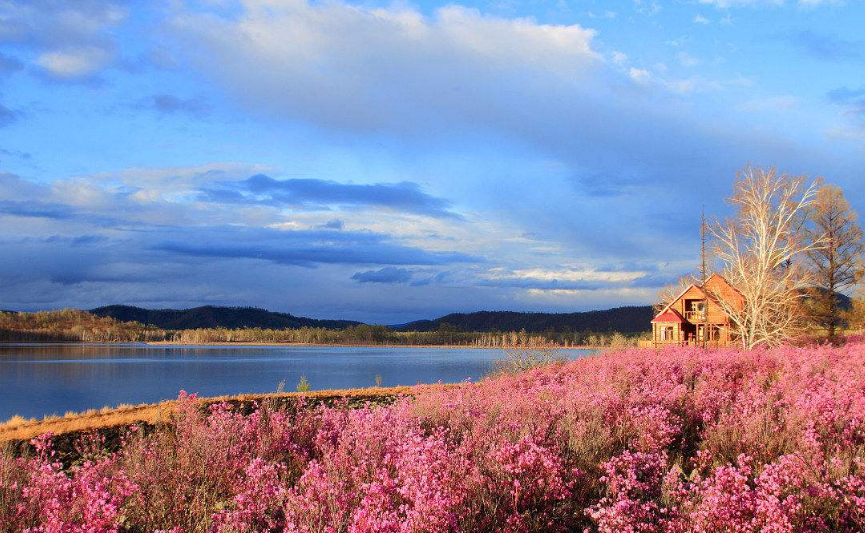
<point x="392" y="161"/>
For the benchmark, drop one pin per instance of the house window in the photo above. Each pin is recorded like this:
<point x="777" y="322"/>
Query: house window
<point x="667" y="333"/>
<point x="714" y="332"/>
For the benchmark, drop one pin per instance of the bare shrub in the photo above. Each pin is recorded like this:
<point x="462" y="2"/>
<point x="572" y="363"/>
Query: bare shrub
<point x="520" y="360"/>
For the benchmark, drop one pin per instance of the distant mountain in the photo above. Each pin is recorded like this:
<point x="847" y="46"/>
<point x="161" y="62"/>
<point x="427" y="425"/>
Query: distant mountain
<point x="633" y="319"/>
<point x="622" y="319"/>
<point x="215" y="317"/>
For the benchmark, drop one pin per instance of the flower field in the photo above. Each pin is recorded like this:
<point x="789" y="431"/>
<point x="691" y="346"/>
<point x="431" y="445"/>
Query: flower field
<point x="633" y="441"/>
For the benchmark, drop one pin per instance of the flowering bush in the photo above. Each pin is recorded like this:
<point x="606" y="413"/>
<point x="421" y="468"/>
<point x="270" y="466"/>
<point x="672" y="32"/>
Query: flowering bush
<point x="635" y="441"/>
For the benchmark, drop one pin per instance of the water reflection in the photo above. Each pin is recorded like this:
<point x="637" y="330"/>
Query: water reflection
<point x="41" y="379"/>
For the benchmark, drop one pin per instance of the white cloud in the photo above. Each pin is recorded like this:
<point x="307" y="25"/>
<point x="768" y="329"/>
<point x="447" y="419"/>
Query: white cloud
<point x="71" y="40"/>
<point x="700" y="19"/>
<point x="741" y="3"/>
<point x="619" y="58"/>
<point x="568" y="274"/>
<point x="605" y="14"/>
<point x="459" y="78"/>
<point x="815" y="3"/>
<point x="171" y="180"/>
<point x="687" y="60"/>
<point x="624" y="294"/>
<point x="74" y="63"/>
<point x="639" y="75"/>
<point x="724" y="4"/>
<point x="360" y="68"/>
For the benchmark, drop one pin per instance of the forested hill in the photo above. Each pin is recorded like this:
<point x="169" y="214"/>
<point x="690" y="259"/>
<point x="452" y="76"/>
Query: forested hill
<point x="633" y="319"/>
<point x="621" y="319"/>
<point x="215" y="317"/>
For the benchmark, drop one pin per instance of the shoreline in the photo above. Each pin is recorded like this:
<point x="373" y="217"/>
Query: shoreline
<point x="344" y="345"/>
<point x="310" y="345"/>
<point x="23" y="429"/>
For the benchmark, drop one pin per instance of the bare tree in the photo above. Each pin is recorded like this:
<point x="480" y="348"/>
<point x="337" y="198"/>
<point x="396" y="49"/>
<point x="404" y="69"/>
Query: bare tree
<point x="836" y="264"/>
<point x="759" y="248"/>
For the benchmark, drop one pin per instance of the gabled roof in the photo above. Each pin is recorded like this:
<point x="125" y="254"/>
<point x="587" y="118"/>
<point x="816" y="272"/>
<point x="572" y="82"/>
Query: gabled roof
<point x="705" y="293"/>
<point x="676" y="299"/>
<point x="670" y="315"/>
<point x="722" y="278"/>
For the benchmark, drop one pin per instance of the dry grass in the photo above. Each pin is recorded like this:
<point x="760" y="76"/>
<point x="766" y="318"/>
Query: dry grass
<point x="20" y="429"/>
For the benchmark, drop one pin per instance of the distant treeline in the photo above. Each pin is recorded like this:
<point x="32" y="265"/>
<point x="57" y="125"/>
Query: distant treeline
<point x="634" y="319"/>
<point x="381" y="335"/>
<point x="210" y="316"/>
<point x="71" y="325"/>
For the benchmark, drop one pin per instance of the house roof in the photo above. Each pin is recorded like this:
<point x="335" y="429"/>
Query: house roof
<point x="723" y="279"/>
<point x="670" y="315"/>
<point x="676" y="299"/>
<point x="700" y="288"/>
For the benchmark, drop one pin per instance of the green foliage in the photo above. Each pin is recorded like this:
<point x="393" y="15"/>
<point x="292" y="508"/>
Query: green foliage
<point x="303" y="384"/>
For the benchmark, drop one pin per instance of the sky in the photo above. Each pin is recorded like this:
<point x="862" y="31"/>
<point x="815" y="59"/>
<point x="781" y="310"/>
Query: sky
<point x="391" y="161"/>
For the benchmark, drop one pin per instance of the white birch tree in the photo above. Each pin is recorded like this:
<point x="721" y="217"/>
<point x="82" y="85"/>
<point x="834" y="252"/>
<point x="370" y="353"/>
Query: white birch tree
<point x="759" y="248"/>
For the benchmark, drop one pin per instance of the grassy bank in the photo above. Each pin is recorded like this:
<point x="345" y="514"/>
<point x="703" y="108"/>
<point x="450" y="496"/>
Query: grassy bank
<point x="18" y="431"/>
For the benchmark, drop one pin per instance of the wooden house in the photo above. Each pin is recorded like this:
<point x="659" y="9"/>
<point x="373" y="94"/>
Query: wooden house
<point x="695" y="317"/>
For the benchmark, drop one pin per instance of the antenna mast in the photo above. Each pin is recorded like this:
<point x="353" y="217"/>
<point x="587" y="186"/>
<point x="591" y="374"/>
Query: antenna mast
<point x="704" y="274"/>
<point x="704" y="268"/>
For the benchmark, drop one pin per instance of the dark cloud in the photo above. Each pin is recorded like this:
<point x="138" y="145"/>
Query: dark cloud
<point x="58" y="211"/>
<point x="599" y="184"/>
<point x="37" y="209"/>
<point x="169" y="104"/>
<point x="333" y="224"/>
<point x="853" y="99"/>
<point x="321" y="194"/>
<point x="92" y="276"/>
<point x="827" y="47"/>
<point x="16" y="153"/>
<point x="9" y="64"/>
<point x="80" y="240"/>
<point x="384" y="275"/>
<point x="441" y="277"/>
<point x="304" y="248"/>
<point x="7" y="116"/>
<point x="844" y="95"/>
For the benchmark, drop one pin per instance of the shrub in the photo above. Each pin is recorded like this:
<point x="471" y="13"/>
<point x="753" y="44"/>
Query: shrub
<point x="520" y="360"/>
<point x="303" y="384"/>
<point x="685" y="440"/>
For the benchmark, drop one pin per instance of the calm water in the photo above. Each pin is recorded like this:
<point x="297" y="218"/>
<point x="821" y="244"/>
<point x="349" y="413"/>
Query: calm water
<point x="43" y="379"/>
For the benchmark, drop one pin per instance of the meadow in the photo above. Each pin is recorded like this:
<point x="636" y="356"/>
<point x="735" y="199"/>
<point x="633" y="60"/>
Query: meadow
<point x="630" y="441"/>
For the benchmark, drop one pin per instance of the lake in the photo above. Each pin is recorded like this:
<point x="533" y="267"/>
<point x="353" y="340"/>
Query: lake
<point x="44" y="379"/>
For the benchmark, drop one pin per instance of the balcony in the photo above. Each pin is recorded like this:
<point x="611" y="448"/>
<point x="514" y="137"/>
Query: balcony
<point x="657" y="343"/>
<point x="695" y="316"/>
